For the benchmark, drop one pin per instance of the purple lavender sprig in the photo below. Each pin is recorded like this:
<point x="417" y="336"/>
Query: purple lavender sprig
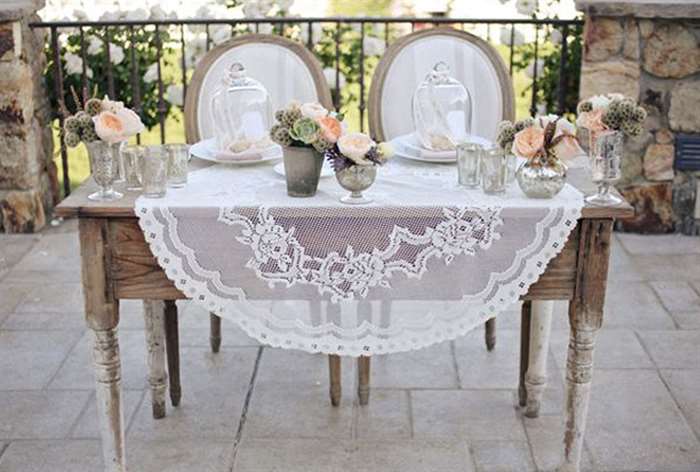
<point x="337" y="160"/>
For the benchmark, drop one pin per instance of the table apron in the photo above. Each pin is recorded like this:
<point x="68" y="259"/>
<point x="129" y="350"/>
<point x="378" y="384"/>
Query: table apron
<point x="135" y="273"/>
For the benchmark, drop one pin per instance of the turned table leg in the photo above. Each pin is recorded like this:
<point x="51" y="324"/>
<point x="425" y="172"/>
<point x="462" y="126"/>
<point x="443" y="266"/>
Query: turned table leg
<point x="585" y="318"/>
<point x="536" y="376"/>
<point x="155" y="343"/>
<point x="335" y="379"/>
<point x="363" y="379"/>
<point x="525" y="317"/>
<point x="102" y="317"/>
<point x="172" y="347"/>
<point x="214" y="332"/>
<point x="490" y="334"/>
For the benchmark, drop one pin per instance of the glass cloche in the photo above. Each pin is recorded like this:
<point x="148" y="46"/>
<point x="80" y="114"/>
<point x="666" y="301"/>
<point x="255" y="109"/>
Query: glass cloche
<point x="442" y="110"/>
<point x="241" y="112"/>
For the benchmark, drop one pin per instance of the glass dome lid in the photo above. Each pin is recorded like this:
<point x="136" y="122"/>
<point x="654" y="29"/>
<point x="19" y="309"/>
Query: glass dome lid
<point x="241" y="112"/>
<point x="442" y="110"/>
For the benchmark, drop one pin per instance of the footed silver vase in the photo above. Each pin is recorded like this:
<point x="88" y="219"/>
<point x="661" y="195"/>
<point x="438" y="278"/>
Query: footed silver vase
<point x="541" y="178"/>
<point x="356" y="179"/>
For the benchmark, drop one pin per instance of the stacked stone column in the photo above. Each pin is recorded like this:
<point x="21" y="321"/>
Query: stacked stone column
<point x="650" y="50"/>
<point x="28" y="184"/>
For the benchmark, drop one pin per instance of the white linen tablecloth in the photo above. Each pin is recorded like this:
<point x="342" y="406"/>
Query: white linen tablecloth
<point x="425" y="262"/>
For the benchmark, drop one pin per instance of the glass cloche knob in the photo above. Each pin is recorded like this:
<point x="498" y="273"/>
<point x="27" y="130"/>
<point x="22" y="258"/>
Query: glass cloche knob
<point x="442" y="110"/>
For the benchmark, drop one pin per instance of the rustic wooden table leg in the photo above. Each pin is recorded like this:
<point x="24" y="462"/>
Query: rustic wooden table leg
<point x="536" y="376"/>
<point x="525" y="316"/>
<point x="363" y="372"/>
<point x="172" y="346"/>
<point x="335" y="379"/>
<point x="102" y="317"/>
<point x="490" y="334"/>
<point x="155" y="343"/>
<point x="214" y="332"/>
<point x="585" y="318"/>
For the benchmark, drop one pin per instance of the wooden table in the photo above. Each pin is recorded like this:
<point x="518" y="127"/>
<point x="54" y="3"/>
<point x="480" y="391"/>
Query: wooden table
<point x="117" y="264"/>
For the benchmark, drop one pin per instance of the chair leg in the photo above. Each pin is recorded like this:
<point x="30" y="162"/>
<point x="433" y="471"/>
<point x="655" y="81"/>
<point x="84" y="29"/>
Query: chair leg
<point x="155" y="344"/>
<point x="490" y="334"/>
<point x="525" y="317"/>
<point x="172" y="345"/>
<point x="214" y="332"/>
<point x="363" y="379"/>
<point x="335" y="379"/>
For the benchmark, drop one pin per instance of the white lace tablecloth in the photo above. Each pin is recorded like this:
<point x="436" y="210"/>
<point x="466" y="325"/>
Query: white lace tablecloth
<point x="425" y="262"/>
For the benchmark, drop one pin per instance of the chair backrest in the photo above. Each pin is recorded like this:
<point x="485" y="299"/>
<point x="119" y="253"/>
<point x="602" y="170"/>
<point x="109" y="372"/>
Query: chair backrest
<point x="474" y="62"/>
<point x="286" y="68"/>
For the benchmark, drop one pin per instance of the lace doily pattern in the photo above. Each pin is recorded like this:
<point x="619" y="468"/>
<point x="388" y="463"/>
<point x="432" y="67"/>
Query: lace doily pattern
<point x="328" y="278"/>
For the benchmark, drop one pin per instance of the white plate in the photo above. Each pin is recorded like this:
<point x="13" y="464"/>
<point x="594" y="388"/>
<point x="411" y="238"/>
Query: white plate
<point x="207" y="150"/>
<point x="326" y="170"/>
<point x="406" y="146"/>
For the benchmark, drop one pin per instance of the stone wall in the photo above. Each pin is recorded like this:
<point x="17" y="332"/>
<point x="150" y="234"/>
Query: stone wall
<point x="28" y="184"/>
<point x="650" y="51"/>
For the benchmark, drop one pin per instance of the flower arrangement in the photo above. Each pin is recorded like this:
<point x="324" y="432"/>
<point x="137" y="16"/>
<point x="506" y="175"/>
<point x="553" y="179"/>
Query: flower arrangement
<point x="104" y="120"/>
<point x="357" y="149"/>
<point x="543" y="139"/>
<point x="307" y="125"/>
<point x="613" y="112"/>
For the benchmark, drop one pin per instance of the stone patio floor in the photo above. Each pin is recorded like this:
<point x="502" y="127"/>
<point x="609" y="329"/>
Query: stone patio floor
<point x="451" y="407"/>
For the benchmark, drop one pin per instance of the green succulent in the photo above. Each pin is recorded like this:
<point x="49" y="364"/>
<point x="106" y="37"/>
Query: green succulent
<point x="304" y="130"/>
<point x="583" y="107"/>
<point x="281" y="136"/>
<point x="72" y="139"/>
<point x="93" y="107"/>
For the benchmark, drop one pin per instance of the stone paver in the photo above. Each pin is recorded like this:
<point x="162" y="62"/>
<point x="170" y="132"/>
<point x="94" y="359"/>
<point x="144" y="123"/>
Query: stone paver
<point x="449" y="407"/>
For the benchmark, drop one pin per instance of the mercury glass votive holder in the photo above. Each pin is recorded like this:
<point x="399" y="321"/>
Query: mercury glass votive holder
<point x="468" y="163"/>
<point x="494" y="171"/>
<point x="178" y="163"/>
<point x="154" y="172"/>
<point x="133" y="166"/>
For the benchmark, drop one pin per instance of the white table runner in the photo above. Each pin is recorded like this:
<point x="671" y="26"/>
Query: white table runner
<point x="425" y="262"/>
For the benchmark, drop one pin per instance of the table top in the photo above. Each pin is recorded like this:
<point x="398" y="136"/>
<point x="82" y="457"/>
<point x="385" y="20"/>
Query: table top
<point x="78" y="205"/>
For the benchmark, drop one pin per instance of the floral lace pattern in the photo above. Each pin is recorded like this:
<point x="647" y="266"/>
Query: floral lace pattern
<point x="278" y="257"/>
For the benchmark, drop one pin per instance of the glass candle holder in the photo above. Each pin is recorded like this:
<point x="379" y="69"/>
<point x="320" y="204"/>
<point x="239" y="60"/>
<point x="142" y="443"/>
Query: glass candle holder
<point x="133" y="166"/>
<point x="104" y="163"/>
<point x="178" y="162"/>
<point x="468" y="159"/>
<point x="512" y="165"/>
<point x="154" y="172"/>
<point x="606" y="166"/>
<point x="494" y="171"/>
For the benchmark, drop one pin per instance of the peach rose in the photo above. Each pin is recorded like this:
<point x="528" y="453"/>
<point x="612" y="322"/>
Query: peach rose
<point x="528" y="142"/>
<point x="592" y="120"/>
<point x="355" y="146"/>
<point x="118" y="125"/>
<point x="331" y="129"/>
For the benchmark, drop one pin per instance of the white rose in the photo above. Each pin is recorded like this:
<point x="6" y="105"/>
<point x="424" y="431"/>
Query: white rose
<point x="116" y="54"/>
<point x="526" y="7"/>
<point x="329" y="74"/>
<point x="118" y="126"/>
<point x="151" y="73"/>
<point x="94" y="45"/>
<point x="313" y="110"/>
<point x="532" y="66"/>
<point x="74" y="63"/>
<point x="599" y="101"/>
<point x="555" y="36"/>
<point x="518" y="37"/>
<point x="373" y="46"/>
<point x="111" y="105"/>
<point x="355" y="146"/>
<point x="175" y="94"/>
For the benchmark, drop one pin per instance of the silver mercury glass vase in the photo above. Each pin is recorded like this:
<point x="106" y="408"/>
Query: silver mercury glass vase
<point x="356" y="179"/>
<point x="541" y="177"/>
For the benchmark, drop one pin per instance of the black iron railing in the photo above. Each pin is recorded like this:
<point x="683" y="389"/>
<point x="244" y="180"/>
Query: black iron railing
<point x="168" y="37"/>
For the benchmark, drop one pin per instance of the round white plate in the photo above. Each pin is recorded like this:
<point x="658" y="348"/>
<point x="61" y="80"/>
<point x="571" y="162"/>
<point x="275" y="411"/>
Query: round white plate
<point x="407" y="147"/>
<point x="207" y="150"/>
<point x="326" y="170"/>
